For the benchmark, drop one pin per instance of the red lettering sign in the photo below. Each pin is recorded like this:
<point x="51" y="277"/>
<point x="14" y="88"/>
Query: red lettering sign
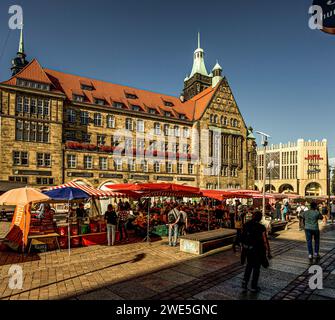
<point x="314" y="157"/>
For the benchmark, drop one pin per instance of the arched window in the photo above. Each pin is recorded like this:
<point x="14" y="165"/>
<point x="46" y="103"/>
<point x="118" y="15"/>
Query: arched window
<point x="225" y="121"/>
<point x="222" y="120"/>
<point x="232" y="122"/>
<point x="211" y="118"/>
<point x="235" y="123"/>
<point x="216" y="119"/>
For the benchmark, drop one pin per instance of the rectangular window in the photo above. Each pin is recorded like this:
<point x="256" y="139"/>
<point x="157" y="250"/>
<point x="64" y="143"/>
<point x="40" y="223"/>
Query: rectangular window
<point x="166" y="129"/>
<point x="43" y="159"/>
<point x="101" y="139"/>
<point x="71" y="116"/>
<point x="100" y="102"/>
<point x="19" y="130"/>
<point x="103" y="163"/>
<point x="78" y="98"/>
<point x="110" y="122"/>
<point x="136" y="108"/>
<point x="144" y="166"/>
<point x="44" y="181"/>
<point x="118" y="164"/>
<point x="20" y="158"/>
<point x="169" y="167"/>
<point x="186" y="148"/>
<point x="190" y="168"/>
<point x="71" y="161"/>
<point x="180" y="168"/>
<point x="97" y="119"/>
<point x="118" y="105"/>
<point x="157" y="128"/>
<point x="19" y="104"/>
<point x="140" y="144"/>
<point x="128" y="143"/>
<point x="84" y="119"/>
<point x="140" y="126"/>
<point x="129" y="124"/>
<point x="88" y="163"/>
<point x="132" y="165"/>
<point x="157" y="167"/>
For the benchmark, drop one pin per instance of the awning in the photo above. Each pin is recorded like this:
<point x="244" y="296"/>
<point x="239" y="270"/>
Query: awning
<point x="97" y="193"/>
<point x="158" y="189"/>
<point x="8" y="185"/>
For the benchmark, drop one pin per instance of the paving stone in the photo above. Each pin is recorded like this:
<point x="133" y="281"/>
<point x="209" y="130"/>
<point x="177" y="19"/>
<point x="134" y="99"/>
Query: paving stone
<point x="102" y="294"/>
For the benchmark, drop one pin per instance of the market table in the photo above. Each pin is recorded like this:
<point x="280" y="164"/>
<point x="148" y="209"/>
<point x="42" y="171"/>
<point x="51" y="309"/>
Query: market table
<point x="201" y="242"/>
<point x="38" y="239"/>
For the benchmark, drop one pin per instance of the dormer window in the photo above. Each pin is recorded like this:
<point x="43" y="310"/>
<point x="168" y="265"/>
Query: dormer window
<point x="86" y="87"/>
<point x="100" y="102"/>
<point x="182" y="117"/>
<point x="33" y="84"/>
<point x="78" y="98"/>
<point x="152" y="111"/>
<point x="136" y="108"/>
<point x="167" y="114"/>
<point x="118" y="105"/>
<point x="131" y="96"/>
<point x="168" y="104"/>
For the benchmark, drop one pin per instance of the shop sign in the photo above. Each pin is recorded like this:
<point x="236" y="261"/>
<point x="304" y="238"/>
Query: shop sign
<point x="32" y="173"/>
<point x="185" y="179"/>
<point x="139" y="177"/>
<point x="313" y="157"/>
<point x="80" y="174"/>
<point x="164" y="178"/>
<point x="111" y="176"/>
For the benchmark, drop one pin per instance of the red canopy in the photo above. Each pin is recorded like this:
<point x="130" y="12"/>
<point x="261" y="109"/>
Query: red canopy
<point x="158" y="189"/>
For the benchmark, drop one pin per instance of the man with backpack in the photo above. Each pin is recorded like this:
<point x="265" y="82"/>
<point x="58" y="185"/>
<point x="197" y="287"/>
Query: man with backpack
<point x="174" y="218"/>
<point x="255" y="250"/>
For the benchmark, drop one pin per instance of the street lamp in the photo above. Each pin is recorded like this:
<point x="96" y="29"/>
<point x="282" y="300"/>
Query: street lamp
<point x="264" y="144"/>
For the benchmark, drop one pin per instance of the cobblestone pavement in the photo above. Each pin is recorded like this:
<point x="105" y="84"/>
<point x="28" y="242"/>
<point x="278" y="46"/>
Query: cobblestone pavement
<point x="157" y="271"/>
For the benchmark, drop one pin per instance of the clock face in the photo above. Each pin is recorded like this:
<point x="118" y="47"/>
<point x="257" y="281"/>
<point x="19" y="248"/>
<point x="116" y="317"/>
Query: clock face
<point x="328" y="12"/>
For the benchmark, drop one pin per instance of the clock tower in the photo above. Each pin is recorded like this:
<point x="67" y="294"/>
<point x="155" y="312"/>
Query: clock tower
<point x="199" y="79"/>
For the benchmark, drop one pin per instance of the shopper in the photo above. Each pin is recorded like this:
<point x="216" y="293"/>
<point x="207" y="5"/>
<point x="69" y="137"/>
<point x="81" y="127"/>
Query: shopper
<point x="300" y="209"/>
<point x="324" y="211"/>
<point x="111" y="219"/>
<point x="278" y="211"/>
<point x="183" y="222"/>
<point x="256" y="251"/>
<point x="80" y="214"/>
<point x="311" y="218"/>
<point x="123" y="217"/>
<point x="238" y="227"/>
<point x="285" y="212"/>
<point x="173" y="221"/>
<point x="219" y="216"/>
<point x="332" y="212"/>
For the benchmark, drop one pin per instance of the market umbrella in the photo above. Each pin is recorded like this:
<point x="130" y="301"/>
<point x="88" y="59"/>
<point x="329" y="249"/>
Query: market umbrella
<point x="22" y="196"/>
<point x="67" y="194"/>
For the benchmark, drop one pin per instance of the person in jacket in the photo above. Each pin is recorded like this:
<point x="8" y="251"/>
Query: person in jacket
<point x="311" y="220"/>
<point x="255" y="251"/>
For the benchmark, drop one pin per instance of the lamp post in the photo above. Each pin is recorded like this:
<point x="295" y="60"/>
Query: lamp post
<point x="264" y="137"/>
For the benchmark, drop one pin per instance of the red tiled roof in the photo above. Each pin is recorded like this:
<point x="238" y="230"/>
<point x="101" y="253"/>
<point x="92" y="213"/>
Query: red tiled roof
<point x="33" y="72"/>
<point x="70" y="84"/>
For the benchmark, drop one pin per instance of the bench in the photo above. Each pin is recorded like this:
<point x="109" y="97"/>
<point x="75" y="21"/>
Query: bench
<point x="201" y="242"/>
<point x="278" y="226"/>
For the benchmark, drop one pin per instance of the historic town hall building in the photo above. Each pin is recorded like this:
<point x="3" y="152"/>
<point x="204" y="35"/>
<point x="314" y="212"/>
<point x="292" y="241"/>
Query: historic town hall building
<point x="56" y="127"/>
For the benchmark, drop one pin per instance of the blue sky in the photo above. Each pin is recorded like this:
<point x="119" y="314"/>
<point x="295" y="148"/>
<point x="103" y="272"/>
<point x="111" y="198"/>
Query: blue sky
<point x="281" y="72"/>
